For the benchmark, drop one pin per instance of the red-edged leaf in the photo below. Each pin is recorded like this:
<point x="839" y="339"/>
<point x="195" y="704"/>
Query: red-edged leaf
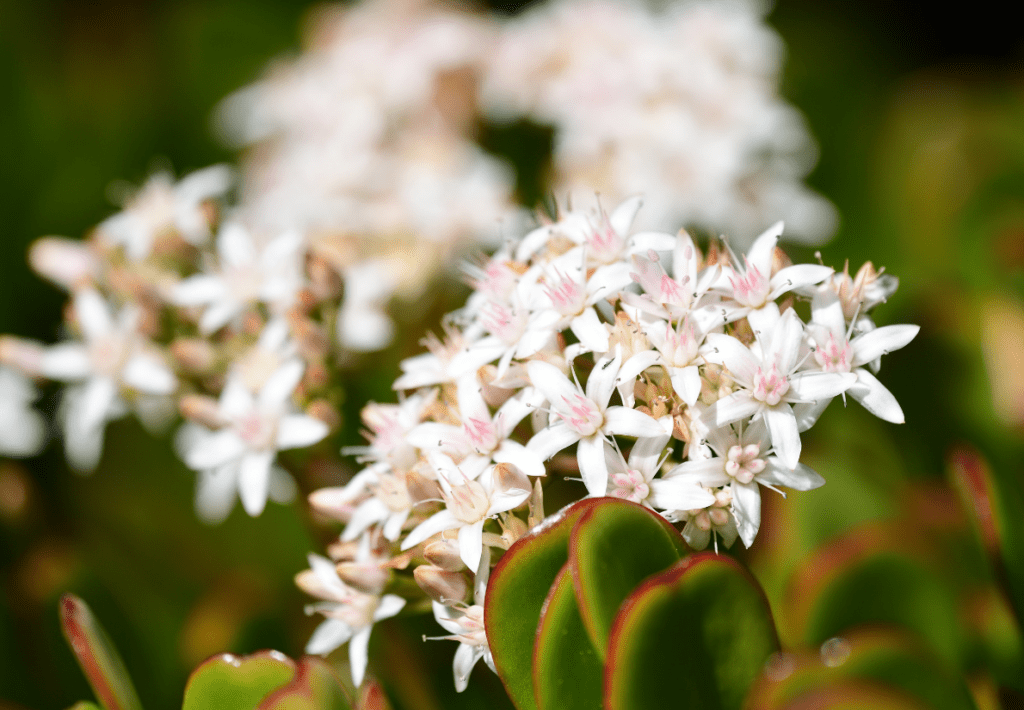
<point x="694" y="636"/>
<point x="97" y="656"/>
<point x="228" y="682"/>
<point x="372" y="697"/>
<point x="615" y="546"/>
<point x="518" y="586"/>
<point x="315" y="686"/>
<point x="567" y="672"/>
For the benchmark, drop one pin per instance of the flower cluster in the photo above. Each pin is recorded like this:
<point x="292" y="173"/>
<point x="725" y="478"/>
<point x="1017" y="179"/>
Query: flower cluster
<point x="179" y="306"/>
<point x="676" y="378"/>
<point x="373" y="129"/>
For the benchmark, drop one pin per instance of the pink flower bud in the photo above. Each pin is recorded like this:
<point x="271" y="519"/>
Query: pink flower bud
<point x="444" y="554"/>
<point x="441" y="585"/>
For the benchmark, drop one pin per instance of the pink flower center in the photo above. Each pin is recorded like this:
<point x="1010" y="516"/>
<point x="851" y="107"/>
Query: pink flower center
<point x="742" y="462"/>
<point x="482" y="433"/>
<point x="504" y="323"/>
<point x="769" y="387"/>
<point x="567" y="295"/>
<point x="498" y="280"/>
<point x="256" y="430"/>
<point x="582" y="414"/>
<point x="468" y="502"/>
<point x="604" y="245"/>
<point x="680" y="346"/>
<point x="834" y="355"/>
<point x="751" y="289"/>
<point x="631" y="486"/>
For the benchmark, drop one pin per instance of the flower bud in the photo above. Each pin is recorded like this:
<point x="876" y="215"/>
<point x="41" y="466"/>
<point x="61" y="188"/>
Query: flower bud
<point x="718" y="516"/>
<point x="194" y="355"/>
<point x="340" y="551"/>
<point x="493" y="395"/>
<point x="421" y="488"/>
<point x="366" y="577"/>
<point x="444" y="554"/>
<point x="202" y="409"/>
<point x="66" y="262"/>
<point x="512" y="528"/>
<point x="441" y="585"/>
<point x="510" y="480"/>
<point x="307" y="581"/>
<point x="23" y="355"/>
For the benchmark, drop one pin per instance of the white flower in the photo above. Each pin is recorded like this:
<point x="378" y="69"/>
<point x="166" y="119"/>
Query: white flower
<point x="769" y="381"/>
<point x="586" y="418"/>
<point x="255" y="429"/>
<point x="162" y="206"/>
<point x="634" y="480"/>
<point x="836" y="351"/>
<point x="22" y="430"/>
<point x="466" y="625"/>
<point x="248" y="274"/>
<point x="112" y="358"/>
<point x="469" y="504"/>
<point x="363" y="325"/>
<point x="743" y="462"/>
<point x="350" y="614"/>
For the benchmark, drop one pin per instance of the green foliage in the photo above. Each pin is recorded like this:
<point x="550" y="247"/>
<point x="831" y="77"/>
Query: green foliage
<point x="228" y="682"/>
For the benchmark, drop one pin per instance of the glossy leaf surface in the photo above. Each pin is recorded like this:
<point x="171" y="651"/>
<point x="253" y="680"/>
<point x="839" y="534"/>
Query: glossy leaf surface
<point x="615" y="546"/>
<point x="313" y="687"/>
<point x="694" y="636"/>
<point x="567" y="672"/>
<point x="97" y="656"/>
<point x="518" y="586"/>
<point x="228" y="682"/>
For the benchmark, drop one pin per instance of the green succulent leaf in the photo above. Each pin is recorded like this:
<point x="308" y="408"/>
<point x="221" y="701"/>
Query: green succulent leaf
<point x="853" y="696"/>
<point x="228" y="682"/>
<point x="315" y="686"/>
<point x="883" y="657"/>
<point x="518" y="586"/>
<point x="615" y="546"/>
<point x="84" y="705"/>
<point x="96" y="655"/>
<point x="694" y="636"/>
<point x="567" y="672"/>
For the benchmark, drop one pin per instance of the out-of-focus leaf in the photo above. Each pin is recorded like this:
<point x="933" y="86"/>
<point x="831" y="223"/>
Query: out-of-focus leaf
<point x="518" y="586"/>
<point x="614" y="546"/>
<point x="567" y="672"/>
<point x="888" y="658"/>
<point x="995" y="505"/>
<point x="694" y="636"/>
<point x="861" y="579"/>
<point x="853" y="696"/>
<point x="315" y="686"/>
<point x="97" y="656"/>
<point x="84" y="705"/>
<point x="228" y="682"/>
<point x="372" y="697"/>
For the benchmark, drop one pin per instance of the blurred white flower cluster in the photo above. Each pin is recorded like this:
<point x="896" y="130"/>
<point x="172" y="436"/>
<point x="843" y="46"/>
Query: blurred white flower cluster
<point x="372" y="130"/>
<point x="632" y="361"/>
<point x="679" y="104"/>
<point x="176" y="306"/>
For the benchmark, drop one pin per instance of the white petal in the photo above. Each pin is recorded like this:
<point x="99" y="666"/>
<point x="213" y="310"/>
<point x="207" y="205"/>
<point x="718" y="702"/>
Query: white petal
<point x="93" y="314"/>
<point x="708" y="472"/>
<point x="96" y="402"/>
<point x="466" y="657"/>
<point x="215" y="450"/>
<point x="727" y="350"/>
<point x="761" y="251"/>
<point x="646" y="454"/>
<point x="632" y="367"/>
<point x="526" y="460"/>
<point x="438" y="522"/>
<point x="875" y="397"/>
<point x="602" y="379"/>
<point x="281" y="384"/>
<point x="642" y="242"/>
<point x="631" y="422"/>
<point x="737" y="406"/>
<point x="593" y="466"/>
<point x="784" y="432"/>
<point x="359" y="654"/>
<point x="218" y="315"/>
<point x="330" y="634"/>
<point x="370" y="511"/>
<point x="796" y="276"/>
<point x="66" y="362"/>
<point x="394" y="524"/>
<point x="678" y="494"/>
<point x="147" y="373"/>
<point x="807" y="413"/>
<point x="621" y="218"/>
<point x="297" y="431"/>
<point x="235" y="246"/>
<point x="552" y="439"/>
<point x="786" y="339"/>
<point x="364" y="328"/>
<point x="815" y="386"/>
<point x="591" y="331"/>
<point x="198" y="290"/>
<point x="686" y="383"/>
<point x="471" y="543"/>
<point x="216" y="493"/>
<point x="282" y="488"/>
<point x="801" y="478"/>
<point x="254" y="481"/>
<point x="827" y="311"/>
<point x="551" y="382"/>
<point x="390" y="605"/>
<point x="746" y="507"/>
<point x="871" y="346"/>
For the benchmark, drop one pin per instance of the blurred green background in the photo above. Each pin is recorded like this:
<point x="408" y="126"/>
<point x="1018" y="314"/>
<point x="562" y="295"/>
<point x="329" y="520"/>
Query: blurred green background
<point x="920" y="121"/>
